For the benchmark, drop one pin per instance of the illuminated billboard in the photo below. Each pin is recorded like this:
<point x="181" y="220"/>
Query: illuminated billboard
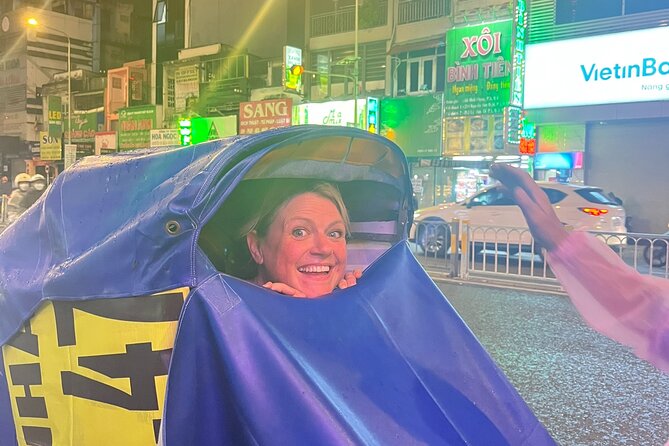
<point x="614" y="68"/>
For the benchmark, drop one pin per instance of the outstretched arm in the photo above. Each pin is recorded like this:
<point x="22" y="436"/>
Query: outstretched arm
<point x="544" y="224"/>
<point x="612" y="297"/>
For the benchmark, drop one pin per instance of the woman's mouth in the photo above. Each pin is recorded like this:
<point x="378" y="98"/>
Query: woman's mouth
<point x="314" y="269"/>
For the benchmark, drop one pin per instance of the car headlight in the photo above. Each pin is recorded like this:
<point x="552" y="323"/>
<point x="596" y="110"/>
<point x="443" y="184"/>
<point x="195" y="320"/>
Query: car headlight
<point x="416" y="215"/>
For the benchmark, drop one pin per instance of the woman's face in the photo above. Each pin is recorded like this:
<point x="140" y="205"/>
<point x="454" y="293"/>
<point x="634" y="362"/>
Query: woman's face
<point x="305" y="246"/>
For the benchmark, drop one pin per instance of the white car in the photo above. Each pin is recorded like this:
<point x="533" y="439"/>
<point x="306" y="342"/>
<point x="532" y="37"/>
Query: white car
<point x="495" y="219"/>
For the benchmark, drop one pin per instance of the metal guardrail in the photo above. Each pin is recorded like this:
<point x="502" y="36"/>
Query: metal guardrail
<point x="509" y="256"/>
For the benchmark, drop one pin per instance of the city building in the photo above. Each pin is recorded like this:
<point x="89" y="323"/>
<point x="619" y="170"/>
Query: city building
<point x="597" y="90"/>
<point x="232" y="54"/>
<point x="30" y="57"/>
<point x="78" y="37"/>
<point x="407" y="53"/>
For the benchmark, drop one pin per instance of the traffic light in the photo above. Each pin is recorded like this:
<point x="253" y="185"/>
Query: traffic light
<point x="297" y="70"/>
<point x="185" y="132"/>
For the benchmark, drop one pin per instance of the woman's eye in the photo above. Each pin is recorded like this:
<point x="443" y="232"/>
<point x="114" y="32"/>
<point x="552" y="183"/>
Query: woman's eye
<point x="336" y="234"/>
<point x="299" y="232"/>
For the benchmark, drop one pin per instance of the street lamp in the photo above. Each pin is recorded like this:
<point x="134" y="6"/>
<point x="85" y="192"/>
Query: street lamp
<point x="34" y="23"/>
<point x="355" y="68"/>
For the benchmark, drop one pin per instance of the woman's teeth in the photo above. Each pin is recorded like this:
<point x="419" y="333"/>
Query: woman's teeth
<point x="314" y="269"/>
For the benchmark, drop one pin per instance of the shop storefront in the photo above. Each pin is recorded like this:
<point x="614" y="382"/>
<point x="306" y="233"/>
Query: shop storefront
<point x="451" y="179"/>
<point x="612" y="107"/>
<point x="339" y="113"/>
<point x="481" y="111"/>
<point x="415" y="124"/>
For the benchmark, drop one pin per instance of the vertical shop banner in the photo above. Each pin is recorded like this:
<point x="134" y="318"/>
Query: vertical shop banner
<point x="258" y="116"/>
<point x="478" y="69"/>
<point x="135" y="124"/>
<point x="106" y="142"/>
<point x="186" y="86"/>
<point x="49" y="147"/>
<point x="70" y="155"/>
<point x="414" y="123"/>
<point x="55" y="116"/>
<point x="292" y="56"/>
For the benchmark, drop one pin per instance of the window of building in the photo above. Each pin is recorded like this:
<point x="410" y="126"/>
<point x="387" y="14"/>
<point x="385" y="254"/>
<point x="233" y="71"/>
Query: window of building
<point x="339" y="64"/>
<point x="160" y="13"/>
<point x="170" y="92"/>
<point x="420" y="71"/>
<point x="5" y="6"/>
<point x="573" y="11"/>
<point x="638" y="6"/>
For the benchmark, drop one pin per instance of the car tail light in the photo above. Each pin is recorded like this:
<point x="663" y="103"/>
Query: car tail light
<point x="594" y="211"/>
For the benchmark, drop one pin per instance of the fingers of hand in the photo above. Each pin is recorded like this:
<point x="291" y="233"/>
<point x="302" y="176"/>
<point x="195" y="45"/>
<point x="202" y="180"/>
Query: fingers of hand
<point x="284" y="289"/>
<point x="514" y="178"/>
<point x="350" y="279"/>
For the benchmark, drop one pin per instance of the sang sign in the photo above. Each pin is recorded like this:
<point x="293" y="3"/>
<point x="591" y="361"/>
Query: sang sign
<point x="259" y="116"/>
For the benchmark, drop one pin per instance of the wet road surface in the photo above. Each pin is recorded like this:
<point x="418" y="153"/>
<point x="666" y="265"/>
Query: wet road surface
<point x="585" y="388"/>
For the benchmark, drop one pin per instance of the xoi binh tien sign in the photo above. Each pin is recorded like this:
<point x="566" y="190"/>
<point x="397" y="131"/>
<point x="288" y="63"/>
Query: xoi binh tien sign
<point x="478" y="69"/>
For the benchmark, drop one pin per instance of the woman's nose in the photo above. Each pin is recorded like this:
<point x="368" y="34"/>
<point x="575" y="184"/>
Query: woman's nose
<point x="322" y="245"/>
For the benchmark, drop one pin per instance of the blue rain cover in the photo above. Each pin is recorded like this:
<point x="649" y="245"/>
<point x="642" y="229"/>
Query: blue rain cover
<point x="387" y="362"/>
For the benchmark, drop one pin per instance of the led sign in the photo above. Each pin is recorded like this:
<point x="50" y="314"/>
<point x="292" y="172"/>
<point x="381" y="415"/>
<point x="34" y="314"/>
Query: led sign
<point x="614" y="68"/>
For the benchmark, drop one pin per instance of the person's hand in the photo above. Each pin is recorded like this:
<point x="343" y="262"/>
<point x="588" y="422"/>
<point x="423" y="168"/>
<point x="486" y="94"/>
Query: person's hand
<point x="350" y="279"/>
<point x="284" y="289"/>
<point x="544" y="224"/>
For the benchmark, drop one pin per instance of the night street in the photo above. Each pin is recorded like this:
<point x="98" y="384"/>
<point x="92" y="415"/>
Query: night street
<point x="585" y="388"/>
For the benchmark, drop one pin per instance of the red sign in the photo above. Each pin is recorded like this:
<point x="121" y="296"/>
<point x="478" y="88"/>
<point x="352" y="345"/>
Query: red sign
<point x="527" y="146"/>
<point x="255" y="117"/>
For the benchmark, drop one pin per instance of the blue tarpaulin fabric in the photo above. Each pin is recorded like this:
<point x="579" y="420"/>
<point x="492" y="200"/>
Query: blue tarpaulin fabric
<point x="386" y="362"/>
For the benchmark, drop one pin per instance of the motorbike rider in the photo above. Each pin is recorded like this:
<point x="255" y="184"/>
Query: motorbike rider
<point x="37" y="187"/>
<point x="17" y="200"/>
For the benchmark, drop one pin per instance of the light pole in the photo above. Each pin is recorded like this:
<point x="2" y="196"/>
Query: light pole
<point x="34" y="23"/>
<point x="355" y="68"/>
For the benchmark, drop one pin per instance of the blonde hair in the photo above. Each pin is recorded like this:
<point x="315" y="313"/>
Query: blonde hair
<point x="276" y="198"/>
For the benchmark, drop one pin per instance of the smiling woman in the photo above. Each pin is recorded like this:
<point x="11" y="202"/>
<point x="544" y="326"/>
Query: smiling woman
<point x="297" y="239"/>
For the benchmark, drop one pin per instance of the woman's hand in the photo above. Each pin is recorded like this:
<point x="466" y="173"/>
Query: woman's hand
<point x="350" y="279"/>
<point x="544" y="224"/>
<point x="284" y="289"/>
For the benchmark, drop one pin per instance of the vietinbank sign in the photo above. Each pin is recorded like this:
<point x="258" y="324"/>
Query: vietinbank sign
<point x="614" y="68"/>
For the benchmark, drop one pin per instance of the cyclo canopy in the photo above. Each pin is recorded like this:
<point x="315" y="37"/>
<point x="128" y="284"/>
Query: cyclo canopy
<point x="122" y="321"/>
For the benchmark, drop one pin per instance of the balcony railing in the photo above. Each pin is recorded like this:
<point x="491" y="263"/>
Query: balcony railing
<point x="343" y="19"/>
<point x="417" y="10"/>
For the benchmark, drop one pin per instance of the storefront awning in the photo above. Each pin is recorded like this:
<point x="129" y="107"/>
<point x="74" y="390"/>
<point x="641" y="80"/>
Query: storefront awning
<point x="404" y="47"/>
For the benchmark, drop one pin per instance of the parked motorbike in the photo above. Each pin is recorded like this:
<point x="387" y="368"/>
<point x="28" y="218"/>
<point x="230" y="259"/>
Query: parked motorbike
<point x="655" y="253"/>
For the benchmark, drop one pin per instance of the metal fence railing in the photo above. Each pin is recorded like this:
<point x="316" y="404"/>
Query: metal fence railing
<point x="410" y="11"/>
<point x="504" y="255"/>
<point x="343" y="19"/>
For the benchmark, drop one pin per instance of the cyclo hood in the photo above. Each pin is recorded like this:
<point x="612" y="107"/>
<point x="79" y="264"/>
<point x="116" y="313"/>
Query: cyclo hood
<point x="121" y="274"/>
